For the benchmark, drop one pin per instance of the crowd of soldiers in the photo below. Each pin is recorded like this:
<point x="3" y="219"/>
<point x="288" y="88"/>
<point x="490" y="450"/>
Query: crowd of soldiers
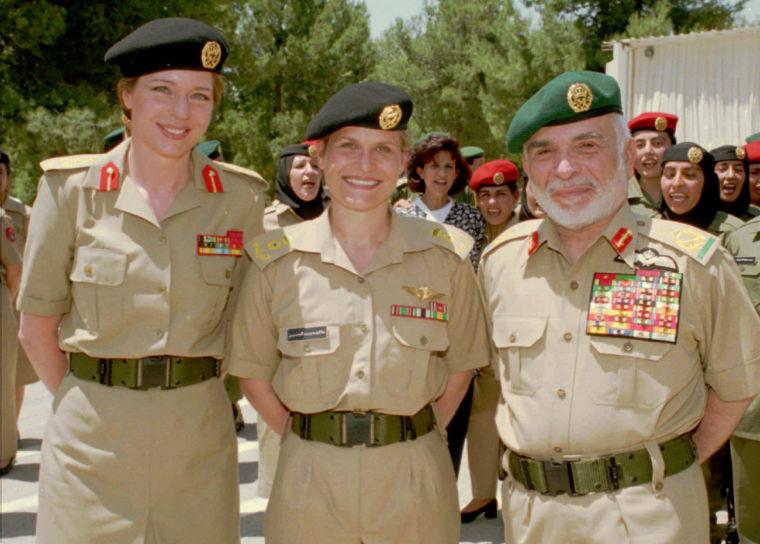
<point x="589" y="326"/>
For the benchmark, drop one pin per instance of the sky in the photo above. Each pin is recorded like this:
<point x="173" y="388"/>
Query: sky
<point x="383" y="12"/>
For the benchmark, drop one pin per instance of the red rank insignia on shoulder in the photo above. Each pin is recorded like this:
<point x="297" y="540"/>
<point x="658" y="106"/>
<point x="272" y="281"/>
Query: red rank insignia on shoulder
<point x="533" y="245"/>
<point x="10" y="234"/>
<point x="211" y="177"/>
<point x="109" y="178"/>
<point x="230" y="244"/>
<point x="621" y="239"/>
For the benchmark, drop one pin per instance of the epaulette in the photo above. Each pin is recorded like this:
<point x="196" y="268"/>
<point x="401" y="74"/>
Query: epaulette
<point x="70" y="162"/>
<point x="250" y="175"/>
<point x="521" y="230"/>
<point x="451" y="238"/>
<point x="268" y="247"/>
<point x="696" y="243"/>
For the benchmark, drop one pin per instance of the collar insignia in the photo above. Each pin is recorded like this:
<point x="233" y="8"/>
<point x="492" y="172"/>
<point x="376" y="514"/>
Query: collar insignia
<point x="109" y="178"/>
<point x="621" y="239"/>
<point x="211" y="178"/>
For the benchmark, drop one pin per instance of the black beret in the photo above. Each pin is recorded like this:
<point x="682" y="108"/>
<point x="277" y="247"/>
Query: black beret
<point x="728" y="153"/>
<point x="4" y="158"/>
<point x="367" y="104"/>
<point x="164" y="44"/>
<point x="295" y="149"/>
<point x="690" y="152"/>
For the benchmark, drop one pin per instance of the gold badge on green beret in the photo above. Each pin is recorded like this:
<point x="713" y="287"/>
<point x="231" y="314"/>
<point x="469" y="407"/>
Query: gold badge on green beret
<point x="211" y="54"/>
<point x="740" y="153"/>
<point x="390" y="117"/>
<point x="579" y="97"/>
<point x="312" y="151"/>
<point x="660" y="124"/>
<point x="498" y="178"/>
<point x="695" y="155"/>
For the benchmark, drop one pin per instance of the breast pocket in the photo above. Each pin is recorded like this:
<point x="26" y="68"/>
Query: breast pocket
<point x="521" y="342"/>
<point x="751" y="277"/>
<point x="217" y="277"/>
<point x="417" y="343"/>
<point x="96" y="276"/>
<point x="311" y="368"/>
<point x="628" y="372"/>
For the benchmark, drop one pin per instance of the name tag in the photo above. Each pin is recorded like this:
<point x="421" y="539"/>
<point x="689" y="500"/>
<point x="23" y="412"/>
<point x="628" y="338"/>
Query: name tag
<point x="307" y="333"/>
<point x="745" y="260"/>
<point x="230" y="244"/>
<point x="645" y="305"/>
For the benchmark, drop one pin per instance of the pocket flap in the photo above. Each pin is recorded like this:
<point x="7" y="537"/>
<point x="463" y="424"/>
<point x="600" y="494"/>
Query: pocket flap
<point x="517" y="331"/>
<point x="309" y="339"/>
<point x="98" y="265"/>
<point x="217" y="270"/>
<point x="630" y="347"/>
<point x="421" y="334"/>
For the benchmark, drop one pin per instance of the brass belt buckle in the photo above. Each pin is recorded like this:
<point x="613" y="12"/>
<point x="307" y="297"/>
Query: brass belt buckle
<point x="357" y="428"/>
<point x="153" y="372"/>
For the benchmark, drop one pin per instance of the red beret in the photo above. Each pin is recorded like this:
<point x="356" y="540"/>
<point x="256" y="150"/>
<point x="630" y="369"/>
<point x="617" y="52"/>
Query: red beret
<point x="753" y="151"/>
<point x="496" y="172"/>
<point x="654" y="120"/>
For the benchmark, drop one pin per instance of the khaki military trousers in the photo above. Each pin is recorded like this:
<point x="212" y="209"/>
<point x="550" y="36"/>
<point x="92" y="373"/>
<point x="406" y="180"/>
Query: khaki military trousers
<point x="269" y="450"/>
<point x="677" y="514"/>
<point x="399" y="493"/>
<point x="8" y="355"/>
<point x="125" y="466"/>
<point x="745" y="460"/>
<point x="483" y="437"/>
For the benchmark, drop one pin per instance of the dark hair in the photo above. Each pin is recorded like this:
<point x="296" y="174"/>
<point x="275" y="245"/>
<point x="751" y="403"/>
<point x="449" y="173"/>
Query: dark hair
<point x="6" y="160"/>
<point x="423" y="153"/>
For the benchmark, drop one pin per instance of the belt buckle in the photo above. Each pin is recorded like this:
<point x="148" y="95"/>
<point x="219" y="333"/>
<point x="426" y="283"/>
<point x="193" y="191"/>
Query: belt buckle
<point x="153" y="372"/>
<point x="559" y="478"/>
<point x="357" y="428"/>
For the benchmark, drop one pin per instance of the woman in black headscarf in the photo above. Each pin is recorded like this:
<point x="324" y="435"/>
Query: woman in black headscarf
<point x="690" y="190"/>
<point x="298" y="191"/>
<point x="732" y="169"/>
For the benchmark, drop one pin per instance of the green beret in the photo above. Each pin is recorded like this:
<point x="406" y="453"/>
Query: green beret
<point x="569" y="97"/>
<point x="470" y="152"/>
<point x="728" y="153"/>
<point x="367" y="104"/>
<point x="211" y="148"/>
<point x="170" y="43"/>
<point x="113" y="138"/>
<point x="752" y="137"/>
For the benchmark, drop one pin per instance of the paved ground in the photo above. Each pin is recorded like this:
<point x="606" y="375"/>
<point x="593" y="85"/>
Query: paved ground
<point x="18" y="489"/>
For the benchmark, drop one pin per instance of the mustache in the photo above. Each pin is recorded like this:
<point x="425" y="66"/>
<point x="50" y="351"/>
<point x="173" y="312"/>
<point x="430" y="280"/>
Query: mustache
<point x="556" y="184"/>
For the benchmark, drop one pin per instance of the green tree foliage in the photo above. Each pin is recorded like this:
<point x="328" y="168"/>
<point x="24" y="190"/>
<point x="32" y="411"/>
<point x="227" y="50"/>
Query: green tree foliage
<point x="601" y="20"/>
<point x="469" y="66"/>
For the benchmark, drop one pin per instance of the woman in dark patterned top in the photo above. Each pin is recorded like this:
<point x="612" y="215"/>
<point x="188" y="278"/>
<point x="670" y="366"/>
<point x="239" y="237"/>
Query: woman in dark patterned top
<point x="438" y="171"/>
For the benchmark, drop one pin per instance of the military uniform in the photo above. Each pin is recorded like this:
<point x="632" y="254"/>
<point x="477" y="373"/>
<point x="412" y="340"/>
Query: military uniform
<point x="744" y="244"/>
<point x="639" y="201"/>
<point x="18" y="212"/>
<point x="10" y="254"/>
<point x="614" y="393"/>
<point x="279" y="215"/>
<point x="121" y="464"/>
<point x="384" y="340"/>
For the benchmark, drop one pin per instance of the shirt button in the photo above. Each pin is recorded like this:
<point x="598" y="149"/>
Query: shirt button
<point x="88" y="270"/>
<point x="561" y="393"/>
<point x="162" y="239"/>
<point x="641" y="223"/>
<point x="658" y="486"/>
<point x="159" y="333"/>
<point x="557" y="449"/>
<point x="163" y="289"/>
<point x="512" y="337"/>
<point x="360" y="280"/>
<point x="228" y="274"/>
<point x="363" y="327"/>
<point x="573" y="285"/>
<point x="360" y="374"/>
<point x="423" y="340"/>
<point x="307" y="348"/>
<point x="627" y="347"/>
<point x="567" y="336"/>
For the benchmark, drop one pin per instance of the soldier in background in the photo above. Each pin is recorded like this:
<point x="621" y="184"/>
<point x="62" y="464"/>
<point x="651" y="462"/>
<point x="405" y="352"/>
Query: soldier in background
<point x="753" y="175"/>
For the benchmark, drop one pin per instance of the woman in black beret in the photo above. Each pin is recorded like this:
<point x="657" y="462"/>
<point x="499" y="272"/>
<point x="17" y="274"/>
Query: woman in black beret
<point x="298" y="190"/>
<point x="732" y="169"/>
<point x="132" y="259"/>
<point x="690" y="190"/>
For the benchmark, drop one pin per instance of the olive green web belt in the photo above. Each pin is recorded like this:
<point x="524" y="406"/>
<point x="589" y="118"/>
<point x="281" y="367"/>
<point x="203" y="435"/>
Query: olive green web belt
<point x="349" y="429"/>
<point x="599" y="474"/>
<point x="163" y="371"/>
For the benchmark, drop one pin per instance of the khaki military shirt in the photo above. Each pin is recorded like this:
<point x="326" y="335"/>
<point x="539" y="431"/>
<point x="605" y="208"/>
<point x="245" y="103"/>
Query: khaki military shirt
<point x="723" y="224"/>
<point x="279" y="215"/>
<point x="18" y="213"/>
<point x="10" y="245"/>
<point x="639" y="201"/>
<point x="330" y="337"/>
<point x="127" y="284"/>
<point x="568" y="392"/>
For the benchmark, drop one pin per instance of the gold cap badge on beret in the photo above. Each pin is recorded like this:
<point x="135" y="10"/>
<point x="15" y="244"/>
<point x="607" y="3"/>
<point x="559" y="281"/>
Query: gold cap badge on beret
<point x="695" y="155"/>
<point x="579" y="97"/>
<point x="390" y="117"/>
<point x="498" y="178"/>
<point x="660" y="123"/>
<point x="211" y="54"/>
<point x="312" y="151"/>
<point x="740" y="153"/>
